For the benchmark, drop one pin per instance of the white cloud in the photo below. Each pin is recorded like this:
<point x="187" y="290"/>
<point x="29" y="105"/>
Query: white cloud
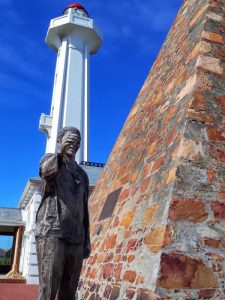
<point x="20" y="61"/>
<point x="5" y="3"/>
<point x="135" y="20"/>
<point x="14" y="86"/>
<point x="12" y="17"/>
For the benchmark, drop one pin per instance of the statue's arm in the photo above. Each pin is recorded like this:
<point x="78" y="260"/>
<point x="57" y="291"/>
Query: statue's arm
<point x="50" y="165"/>
<point x="87" y="241"/>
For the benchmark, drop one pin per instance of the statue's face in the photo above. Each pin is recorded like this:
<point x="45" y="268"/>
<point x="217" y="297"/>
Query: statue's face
<point x="70" y="143"/>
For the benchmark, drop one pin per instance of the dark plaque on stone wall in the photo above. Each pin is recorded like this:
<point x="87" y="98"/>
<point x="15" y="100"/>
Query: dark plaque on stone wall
<point x="109" y="205"/>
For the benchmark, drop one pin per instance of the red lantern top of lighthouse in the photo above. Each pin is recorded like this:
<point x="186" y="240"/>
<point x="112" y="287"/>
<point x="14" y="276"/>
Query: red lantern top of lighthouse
<point x="76" y="6"/>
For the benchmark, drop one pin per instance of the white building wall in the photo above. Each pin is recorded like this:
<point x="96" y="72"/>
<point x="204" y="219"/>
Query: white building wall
<point x="28" y="261"/>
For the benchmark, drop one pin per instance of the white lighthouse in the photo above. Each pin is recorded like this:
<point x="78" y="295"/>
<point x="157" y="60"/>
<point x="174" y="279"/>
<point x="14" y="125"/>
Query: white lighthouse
<point x="73" y="36"/>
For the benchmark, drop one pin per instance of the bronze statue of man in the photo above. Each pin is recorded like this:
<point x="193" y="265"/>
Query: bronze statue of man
<point x="62" y="227"/>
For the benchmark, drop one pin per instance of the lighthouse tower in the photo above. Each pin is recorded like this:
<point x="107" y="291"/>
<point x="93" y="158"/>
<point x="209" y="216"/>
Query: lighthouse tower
<point x="73" y="36"/>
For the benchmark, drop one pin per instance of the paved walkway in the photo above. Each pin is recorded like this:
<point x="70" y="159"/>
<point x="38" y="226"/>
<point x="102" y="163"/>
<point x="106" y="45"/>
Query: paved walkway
<point x="18" y="291"/>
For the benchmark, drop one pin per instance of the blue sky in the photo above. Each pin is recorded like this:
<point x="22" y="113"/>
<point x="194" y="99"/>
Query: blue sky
<point x="133" y="34"/>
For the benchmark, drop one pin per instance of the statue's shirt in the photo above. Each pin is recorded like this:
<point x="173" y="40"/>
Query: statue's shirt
<point x="63" y="210"/>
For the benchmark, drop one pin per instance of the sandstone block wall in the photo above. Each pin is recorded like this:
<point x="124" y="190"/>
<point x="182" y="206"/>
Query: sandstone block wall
<point x="161" y="235"/>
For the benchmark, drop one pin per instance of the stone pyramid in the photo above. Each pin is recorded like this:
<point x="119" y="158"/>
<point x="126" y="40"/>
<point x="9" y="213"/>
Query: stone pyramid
<point x="158" y="211"/>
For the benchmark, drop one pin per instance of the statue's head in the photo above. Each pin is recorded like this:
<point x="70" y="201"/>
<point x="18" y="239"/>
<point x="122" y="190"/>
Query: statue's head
<point x="69" y="139"/>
